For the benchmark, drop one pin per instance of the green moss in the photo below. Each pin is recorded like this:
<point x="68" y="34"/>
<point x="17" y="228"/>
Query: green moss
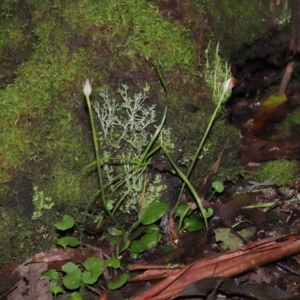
<point x="146" y="32"/>
<point x="24" y="236"/>
<point x="292" y="119"/>
<point x="281" y="171"/>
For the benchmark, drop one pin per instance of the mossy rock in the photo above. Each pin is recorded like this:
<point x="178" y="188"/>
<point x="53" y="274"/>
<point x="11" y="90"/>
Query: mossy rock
<point x="46" y="132"/>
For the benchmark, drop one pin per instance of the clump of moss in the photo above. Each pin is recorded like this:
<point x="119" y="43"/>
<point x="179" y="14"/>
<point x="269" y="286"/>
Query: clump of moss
<point x="142" y="30"/>
<point x="281" y="171"/>
<point x="292" y="119"/>
<point x="24" y="236"/>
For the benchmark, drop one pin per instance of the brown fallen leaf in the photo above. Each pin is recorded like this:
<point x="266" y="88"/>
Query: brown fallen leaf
<point x="31" y="285"/>
<point x="25" y="279"/>
<point x="56" y="257"/>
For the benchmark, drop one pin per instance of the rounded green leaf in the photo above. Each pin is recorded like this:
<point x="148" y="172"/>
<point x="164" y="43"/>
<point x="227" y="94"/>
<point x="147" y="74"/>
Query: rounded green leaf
<point x="55" y="290"/>
<point x="94" y="265"/>
<point x="151" y="228"/>
<point x="146" y="242"/>
<point x="93" y="268"/>
<point x="181" y="209"/>
<point x="114" y="231"/>
<point x="72" y="280"/>
<point x="113" y="262"/>
<point x="152" y="239"/>
<point x="88" y="278"/>
<point x="152" y="212"/>
<point x="208" y="212"/>
<point x="120" y="282"/>
<point x="137" y="247"/>
<point x="68" y="241"/>
<point x="193" y="223"/>
<point x="66" y="223"/>
<point x="218" y="186"/>
<point x="70" y="267"/>
<point x="53" y="276"/>
<point x="75" y="296"/>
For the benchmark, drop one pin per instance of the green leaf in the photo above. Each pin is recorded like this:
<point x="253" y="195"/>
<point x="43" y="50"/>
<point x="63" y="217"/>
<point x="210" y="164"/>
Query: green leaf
<point x="137" y="246"/>
<point x="114" y="231"/>
<point x="152" y="212"/>
<point x="218" y="186"/>
<point x="75" y="296"/>
<point x="151" y="228"/>
<point x="66" y="223"/>
<point x="88" y="278"/>
<point x="72" y="280"/>
<point x="146" y="242"/>
<point x="114" y="239"/>
<point x="53" y="275"/>
<point x="70" y="267"/>
<point x="113" y="262"/>
<point x="93" y="268"/>
<point x="192" y="223"/>
<point x="55" y="290"/>
<point x="68" y="241"/>
<point x="126" y="245"/>
<point x="181" y="209"/>
<point x="208" y="212"/>
<point x="152" y="239"/>
<point x="275" y="99"/>
<point x="113" y="285"/>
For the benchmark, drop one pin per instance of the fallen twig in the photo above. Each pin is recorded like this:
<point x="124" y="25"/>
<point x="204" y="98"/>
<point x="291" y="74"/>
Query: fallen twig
<point x="225" y="265"/>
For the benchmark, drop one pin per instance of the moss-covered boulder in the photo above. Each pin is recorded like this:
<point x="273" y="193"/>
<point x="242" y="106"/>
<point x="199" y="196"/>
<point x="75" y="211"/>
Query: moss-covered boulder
<point x="47" y="50"/>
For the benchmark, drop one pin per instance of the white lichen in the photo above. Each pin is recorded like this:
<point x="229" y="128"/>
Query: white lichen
<point x="216" y="72"/>
<point x="124" y="134"/>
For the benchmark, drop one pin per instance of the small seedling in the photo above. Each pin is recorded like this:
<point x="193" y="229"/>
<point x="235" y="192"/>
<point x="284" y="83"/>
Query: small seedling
<point x="66" y="223"/>
<point x="75" y="278"/>
<point x="218" y="187"/>
<point x="147" y="217"/>
<point x="190" y="221"/>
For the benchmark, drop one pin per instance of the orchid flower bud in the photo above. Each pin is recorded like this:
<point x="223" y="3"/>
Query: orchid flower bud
<point x="229" y="84"/>
<point x="87" y="87"/>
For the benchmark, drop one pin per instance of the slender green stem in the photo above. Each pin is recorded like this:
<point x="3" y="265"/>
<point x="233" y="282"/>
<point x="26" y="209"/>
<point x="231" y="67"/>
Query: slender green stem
<point x="208" y="128"/>
<point x="96" y="147"/>
<point x="190" y="186"/>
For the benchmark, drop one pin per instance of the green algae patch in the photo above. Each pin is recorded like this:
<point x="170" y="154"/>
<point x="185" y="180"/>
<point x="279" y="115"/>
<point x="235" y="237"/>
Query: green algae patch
<point x="280" y="171"/>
